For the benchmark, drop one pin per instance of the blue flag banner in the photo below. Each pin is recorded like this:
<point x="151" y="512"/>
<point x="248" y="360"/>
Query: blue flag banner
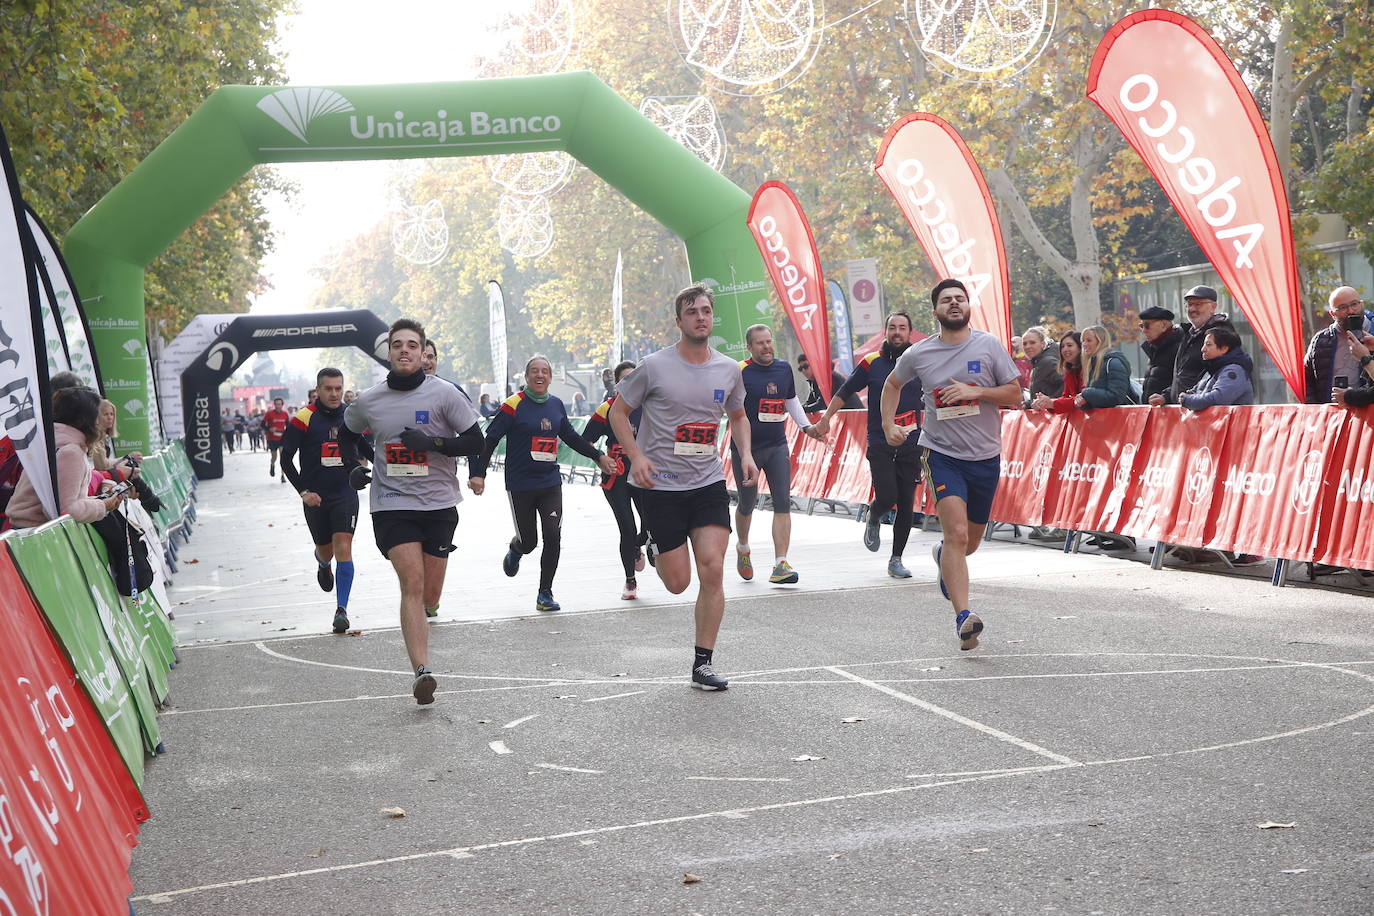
<point x="844" y="334"/>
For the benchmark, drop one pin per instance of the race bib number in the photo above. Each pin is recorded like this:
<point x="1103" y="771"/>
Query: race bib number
<point x="329" y="455"/>
<point x="772" y="410"/>
<point x="957" y="411"/>
<point x="544" y="448"/>
<point x="905" y="419"/>
<point x="695" y="439"/>
<point x="402" y="462"/>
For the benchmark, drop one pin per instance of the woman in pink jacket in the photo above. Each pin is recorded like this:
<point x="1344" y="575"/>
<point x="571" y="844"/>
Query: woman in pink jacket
<point x="75" y="414"/>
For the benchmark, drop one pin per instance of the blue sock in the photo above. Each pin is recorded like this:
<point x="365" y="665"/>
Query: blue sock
<point x="343" y="581"/>
<point x="324" y="563"/>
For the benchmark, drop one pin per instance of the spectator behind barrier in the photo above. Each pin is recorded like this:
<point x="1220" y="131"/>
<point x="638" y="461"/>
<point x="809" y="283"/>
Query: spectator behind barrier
<point x="1227" y="377"/>
<point x="1105" y="370"/>
<point x="1021" y="359"/>
<point x="814" y="402"/>
<point x="1043" y="355"/>
<point x="1326" y="361"/>
<point x="1200" y="303"/>
<point x="1162" y="338"/>
<point x="1070" y="370"/>
<point x="75" y="413"/>
<point x="485" y="407"/>
<point x="1363" y="394"/>
<point x="579" y="405"/>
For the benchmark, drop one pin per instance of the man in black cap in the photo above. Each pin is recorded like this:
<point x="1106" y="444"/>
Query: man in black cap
<point x="1200" y="303"/>
<point x="1162" y="338"/>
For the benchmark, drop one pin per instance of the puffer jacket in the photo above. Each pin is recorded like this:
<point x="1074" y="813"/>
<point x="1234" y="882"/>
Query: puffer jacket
<point x="73" y="484"/>
<point x="1045" y="378"/>
<point x="1159" y="375"/>
<point x="1318" y="364"/>
<point x="1188" y="363"/>
<point x="1112" y="386"/>
<point x="1225" y="382"/>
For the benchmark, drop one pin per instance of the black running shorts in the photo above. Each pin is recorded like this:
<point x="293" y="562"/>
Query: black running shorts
<point x="331" y="517"/>
<point x="432" y="530"/>
<point x="671" y="515"/>
<point x="273" y="445"/>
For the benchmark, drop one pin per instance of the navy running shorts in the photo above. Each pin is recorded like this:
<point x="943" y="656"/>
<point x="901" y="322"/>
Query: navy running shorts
<point x="331" y="517"/>
<point x="975" y="482"/>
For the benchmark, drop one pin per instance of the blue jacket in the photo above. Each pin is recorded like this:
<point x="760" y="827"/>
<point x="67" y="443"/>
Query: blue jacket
<point x="1225" y="380"/>
<point x="1112" y="387"/>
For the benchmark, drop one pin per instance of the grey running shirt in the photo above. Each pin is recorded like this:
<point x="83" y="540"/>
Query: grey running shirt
<point x="402" y="479"/>
<point x="979" y="360"/>
<point x="682" y="405"/>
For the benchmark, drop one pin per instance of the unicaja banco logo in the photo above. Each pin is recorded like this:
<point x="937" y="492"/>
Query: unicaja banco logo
<point x="294" y="109"/>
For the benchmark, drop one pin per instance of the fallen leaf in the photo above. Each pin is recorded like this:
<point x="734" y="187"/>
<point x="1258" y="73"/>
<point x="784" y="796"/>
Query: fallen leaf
<point x="394" y="812"/>
<point x="270" y="525"/>
<point x="850" y="720"/>
<point x="315" y="855"/>
<point x="689" y="878"/>
<point x="805" y="757"/>
<point x="1293" y="871"/>
<point x="1271" y="825"/>
<point x="565" y="696"/>
<point x="200" y="621"/>
<point x="935" y="668"/>
<point x="838" y="855"/>
<point x="355" y="632"/>
<point x="1067" y="617"/>
<point x="551" y="632"/>
<point x="483" y="721"/>
<point x="621" y="674"/>
<point x="284" y="629"/>
<point x="190" y="562"/>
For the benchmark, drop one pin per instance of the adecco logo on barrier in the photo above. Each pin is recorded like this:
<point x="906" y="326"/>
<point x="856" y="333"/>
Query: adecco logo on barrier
<point x="1087" y="472"/>
<point x="1197" y="483"/>
<point x="1308" y="483"/>
<point x="1354" y="487"/>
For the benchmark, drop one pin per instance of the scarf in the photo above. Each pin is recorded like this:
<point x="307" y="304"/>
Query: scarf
<point x="397" y="382"/>
<point x="536" y="398"/>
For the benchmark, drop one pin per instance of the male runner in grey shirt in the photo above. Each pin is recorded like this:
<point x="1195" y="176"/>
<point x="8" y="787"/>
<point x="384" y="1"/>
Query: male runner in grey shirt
<point x="675" y="459"/>
<point x="421" y="423"/>
<point x="967" y="376"/>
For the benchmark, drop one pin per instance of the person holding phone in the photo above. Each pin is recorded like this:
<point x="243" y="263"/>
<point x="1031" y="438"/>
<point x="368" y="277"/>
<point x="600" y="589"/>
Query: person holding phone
<point x="1357" y="392"/>
<point x="1330" y="358"/>
<point x="75" y="415"/>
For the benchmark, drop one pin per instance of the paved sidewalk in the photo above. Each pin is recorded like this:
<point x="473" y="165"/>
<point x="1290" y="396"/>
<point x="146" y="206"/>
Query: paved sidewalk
<point x="1114" y="747"/>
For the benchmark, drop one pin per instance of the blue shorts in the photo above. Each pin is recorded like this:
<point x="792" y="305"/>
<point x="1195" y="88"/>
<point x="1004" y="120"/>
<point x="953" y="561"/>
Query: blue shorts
<point x="975" y="482"/>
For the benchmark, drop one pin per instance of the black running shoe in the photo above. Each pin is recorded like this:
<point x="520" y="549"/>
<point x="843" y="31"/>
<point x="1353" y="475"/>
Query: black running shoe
<point x="341" y="621"/>
<point x="510" y="564"/>
<point x="325" y="576"/>
<point x="704" y="677"/>
<point x="424" y="686"/>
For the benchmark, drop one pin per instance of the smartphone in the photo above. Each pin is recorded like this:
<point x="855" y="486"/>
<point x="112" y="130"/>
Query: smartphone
<point x="119" y="489"/>
<point x="1353" y="323"/>
<point x="1340" y="381"/>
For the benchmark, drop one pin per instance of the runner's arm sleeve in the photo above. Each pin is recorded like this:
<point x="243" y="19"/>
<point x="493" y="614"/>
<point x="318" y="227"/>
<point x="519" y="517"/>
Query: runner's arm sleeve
<point x="597" y="426"/>
<point x="569" y="434"/>
<point x="290" y="444"/>
<point x="794" y="410"/>
<point x="348" y="445"/>
<point x="857" y="381"/>
<point x="496" y="429"/>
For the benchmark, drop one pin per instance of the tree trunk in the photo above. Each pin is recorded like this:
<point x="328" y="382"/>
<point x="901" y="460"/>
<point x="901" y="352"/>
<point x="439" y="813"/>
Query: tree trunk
<point x="1282" y="99"/>
<point x="1354" y="116"/>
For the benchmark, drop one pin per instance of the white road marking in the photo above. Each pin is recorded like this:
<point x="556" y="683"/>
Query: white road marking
<point x="741" y="778"/>
<point x="561" y="769"/>
<point x="955" y="717"/>
<point x="615" y="696"/>
<point x="499" y="747"/>
<point x="521" y="720"/>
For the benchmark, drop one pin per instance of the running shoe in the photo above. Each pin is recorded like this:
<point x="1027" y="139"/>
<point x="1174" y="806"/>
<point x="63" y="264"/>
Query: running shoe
<point x="341" y="621"/>
<point x="783" y="574"/>
<point x="939" y="570"/>
<point x="871" y="540"/>
<point x="897" y="570"/>
<point x="650" y="551"/>
<point x="967" y="626"/>
<point x="631" y="590"/>
<point x="510" y="565"/>
<point x="325" y="576"/>
<point x="432" y="612"/>
<point x="272" y="471"/>
<point x="424" y="686"/>
<point x="1248" y="559"/>
<point x="639" y="561"/>
<point x="704" y="677"/>
<point x="544" y="602"/>
<point x="744" y="565"/>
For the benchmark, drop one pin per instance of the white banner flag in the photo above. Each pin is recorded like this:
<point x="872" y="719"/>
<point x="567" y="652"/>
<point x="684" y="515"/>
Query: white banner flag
<point x="25" y="415"/>
<point x="198" y="334"/>
<point x="618" y="309"/>
<point x="496" y="316"/>
<point x="76" y="336"/>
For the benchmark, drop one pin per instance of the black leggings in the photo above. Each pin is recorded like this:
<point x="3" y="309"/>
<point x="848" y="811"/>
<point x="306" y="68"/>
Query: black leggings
<point x="896" y="471"/>
<point x="229" y="439"/>
<point x="624" y="502"/>
<point x="547" y="506"/>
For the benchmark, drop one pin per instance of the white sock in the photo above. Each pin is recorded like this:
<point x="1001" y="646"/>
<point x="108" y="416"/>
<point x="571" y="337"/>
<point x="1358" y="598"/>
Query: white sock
<point x="778" y="560"/>
<point x="742" y="547"/>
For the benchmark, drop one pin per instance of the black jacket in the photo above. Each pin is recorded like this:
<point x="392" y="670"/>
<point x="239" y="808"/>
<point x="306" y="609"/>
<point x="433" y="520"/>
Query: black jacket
<point x="1045" y="378"/>
<point x="816" y="404"/>
<point x="1188" y="366"/>
<point x="1318" y="361"/>
<point x="1159" y="375"/>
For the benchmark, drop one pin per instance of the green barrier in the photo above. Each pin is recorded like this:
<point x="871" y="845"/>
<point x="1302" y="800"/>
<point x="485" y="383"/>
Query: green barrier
<point x="148" y="634"/>
<point x="570" y="458"/>
<point x="45" y="560"/>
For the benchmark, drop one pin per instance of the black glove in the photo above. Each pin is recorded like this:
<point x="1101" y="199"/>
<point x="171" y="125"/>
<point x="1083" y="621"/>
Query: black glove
<point x="359" y="477"/>
<point x="146" y="495"/>
<point x="417" y="441"/>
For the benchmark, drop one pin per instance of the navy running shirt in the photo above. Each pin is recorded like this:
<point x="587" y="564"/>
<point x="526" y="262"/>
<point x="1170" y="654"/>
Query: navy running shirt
<point x="313" y="436"/>
<point x="872" y="372"/>
<point x="532" y="431"/>
<point x="767" y="389"/>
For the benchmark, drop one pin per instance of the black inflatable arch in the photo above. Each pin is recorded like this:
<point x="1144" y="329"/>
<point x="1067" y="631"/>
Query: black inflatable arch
<point x="246" y="336"/>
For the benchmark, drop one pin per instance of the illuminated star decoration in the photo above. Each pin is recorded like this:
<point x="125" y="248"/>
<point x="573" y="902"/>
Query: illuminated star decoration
<point x="694" y="124"/>
<point x="419" y="234"/>
<point x="750" y="47"/>
<point x="983" y="39"/>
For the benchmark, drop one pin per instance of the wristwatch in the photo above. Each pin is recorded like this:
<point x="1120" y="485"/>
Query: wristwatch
<point x="1366" y="360"/>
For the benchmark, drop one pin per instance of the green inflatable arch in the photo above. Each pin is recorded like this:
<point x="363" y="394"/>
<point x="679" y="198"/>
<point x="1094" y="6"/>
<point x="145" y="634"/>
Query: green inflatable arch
<point x="241" y="126"/>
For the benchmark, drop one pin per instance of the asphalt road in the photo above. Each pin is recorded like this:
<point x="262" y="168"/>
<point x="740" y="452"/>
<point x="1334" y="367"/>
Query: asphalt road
<point x="1114" y="746"/>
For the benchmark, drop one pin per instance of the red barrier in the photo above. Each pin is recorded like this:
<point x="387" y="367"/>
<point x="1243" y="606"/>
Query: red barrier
<point x="69" y="811"/>
<point x="1347" y="506"/>
<point x="852" y="481"/>
<point x="1030" y="442"/>
<point x="1093" y="478"/>
<point x="1176" y="474"/>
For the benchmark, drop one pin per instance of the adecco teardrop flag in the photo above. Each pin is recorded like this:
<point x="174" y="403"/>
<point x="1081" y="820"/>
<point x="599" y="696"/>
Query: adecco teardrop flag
<point x="941" y="191"/>
<point x="789" y="252"/>
<point x="1180" y="102"/>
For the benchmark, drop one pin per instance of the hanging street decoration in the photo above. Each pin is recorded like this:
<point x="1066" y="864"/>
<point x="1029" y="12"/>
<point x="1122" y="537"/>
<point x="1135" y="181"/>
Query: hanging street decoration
<point x="534" y="38"/>
<point x="693" y="123"/>
<point x="749" y="47"/>
<point x="528" y="174"/>
<point x="419" y="234"/>
<point x="524" y="225"/>
<point x="982" y="39"/>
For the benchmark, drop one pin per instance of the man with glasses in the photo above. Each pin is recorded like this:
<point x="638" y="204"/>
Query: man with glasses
<point x="1331" y="361"/>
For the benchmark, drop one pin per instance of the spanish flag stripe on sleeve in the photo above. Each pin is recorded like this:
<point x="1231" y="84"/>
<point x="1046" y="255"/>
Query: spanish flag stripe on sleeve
<point x="512" y="402"/>
<point x="868" y="360"/>
<point x="603" y="412"/>
<point x="301" y="420"/>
